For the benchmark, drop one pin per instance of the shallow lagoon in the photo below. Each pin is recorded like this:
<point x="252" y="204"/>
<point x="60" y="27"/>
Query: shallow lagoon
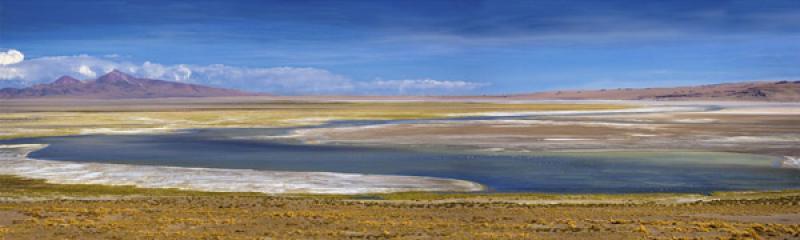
<point x="606" y="172"/>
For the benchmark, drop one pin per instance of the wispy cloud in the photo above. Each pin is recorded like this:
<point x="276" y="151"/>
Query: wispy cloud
<point x="419" y="86"/>
<point x="277" y="80"/>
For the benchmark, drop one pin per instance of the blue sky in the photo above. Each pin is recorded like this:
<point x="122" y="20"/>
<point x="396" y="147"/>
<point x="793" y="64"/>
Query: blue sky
<point x="405" y="47"/>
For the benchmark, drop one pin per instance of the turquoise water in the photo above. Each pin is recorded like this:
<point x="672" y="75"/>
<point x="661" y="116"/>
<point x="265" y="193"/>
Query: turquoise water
<point x="556" y="173"/>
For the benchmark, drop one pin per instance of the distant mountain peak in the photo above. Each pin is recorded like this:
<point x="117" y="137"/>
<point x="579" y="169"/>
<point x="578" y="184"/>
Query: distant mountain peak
<point x="117" y="84"/>
<point x="66" y="80"/>
<point x="115" y="76"/>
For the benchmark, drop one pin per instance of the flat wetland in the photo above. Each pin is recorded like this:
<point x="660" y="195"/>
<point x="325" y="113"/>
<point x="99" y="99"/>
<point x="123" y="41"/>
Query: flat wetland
<point x="607" y="172"/>
<point x="736" y="137"/>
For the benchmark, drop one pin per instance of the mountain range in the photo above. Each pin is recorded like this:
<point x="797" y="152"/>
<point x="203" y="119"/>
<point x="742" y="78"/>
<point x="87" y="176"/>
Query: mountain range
<point x="780" y="91"/>
<point x="117" y="84"/>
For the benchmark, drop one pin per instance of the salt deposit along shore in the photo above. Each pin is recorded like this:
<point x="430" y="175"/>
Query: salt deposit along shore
<point x="753" y="128"/>
<point x="15" y="162"/>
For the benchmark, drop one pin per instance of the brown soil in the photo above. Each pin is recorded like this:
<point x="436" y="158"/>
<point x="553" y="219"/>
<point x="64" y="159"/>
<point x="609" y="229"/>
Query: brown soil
<point x="9" y="217"/>
<point x="776" y="134"/>
<point x="309" y="218"/>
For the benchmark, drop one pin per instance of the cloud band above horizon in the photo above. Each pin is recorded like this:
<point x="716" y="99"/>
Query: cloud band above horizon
<point x="274" y="80"/>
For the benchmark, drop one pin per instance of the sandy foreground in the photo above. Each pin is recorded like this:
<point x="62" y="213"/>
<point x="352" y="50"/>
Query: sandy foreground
<point x="143" y="214"/>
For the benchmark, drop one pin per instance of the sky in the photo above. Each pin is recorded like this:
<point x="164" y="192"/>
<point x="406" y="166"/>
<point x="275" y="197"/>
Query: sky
<point x="409" y="47"/>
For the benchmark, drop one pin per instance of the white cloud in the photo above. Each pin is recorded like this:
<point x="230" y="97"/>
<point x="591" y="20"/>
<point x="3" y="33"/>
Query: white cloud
<point x="285" y="80"/>
<point x="420" y="86"/>
<point x="10" y="73"/>
<point x="86" y="71"/>
<point x="11" y="56"/>
<point x="46" y="69"/>
<point x="182" y="73"/>
<point x="276" y="80"/>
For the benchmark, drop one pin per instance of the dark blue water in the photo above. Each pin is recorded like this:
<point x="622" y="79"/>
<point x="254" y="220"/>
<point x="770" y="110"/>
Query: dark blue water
<point x="503" y="173"/>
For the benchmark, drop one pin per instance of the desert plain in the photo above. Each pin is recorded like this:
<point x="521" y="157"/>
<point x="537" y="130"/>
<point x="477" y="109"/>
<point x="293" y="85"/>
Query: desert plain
<point x="36" y="205"/>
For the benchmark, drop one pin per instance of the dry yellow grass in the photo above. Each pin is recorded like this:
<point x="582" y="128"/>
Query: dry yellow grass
<point x="33" y="209"/>
<point x="132" y="213"/>
<point x="274" y="114"/>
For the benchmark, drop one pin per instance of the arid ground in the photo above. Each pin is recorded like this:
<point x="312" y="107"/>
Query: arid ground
<point x="35" y="209"/>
